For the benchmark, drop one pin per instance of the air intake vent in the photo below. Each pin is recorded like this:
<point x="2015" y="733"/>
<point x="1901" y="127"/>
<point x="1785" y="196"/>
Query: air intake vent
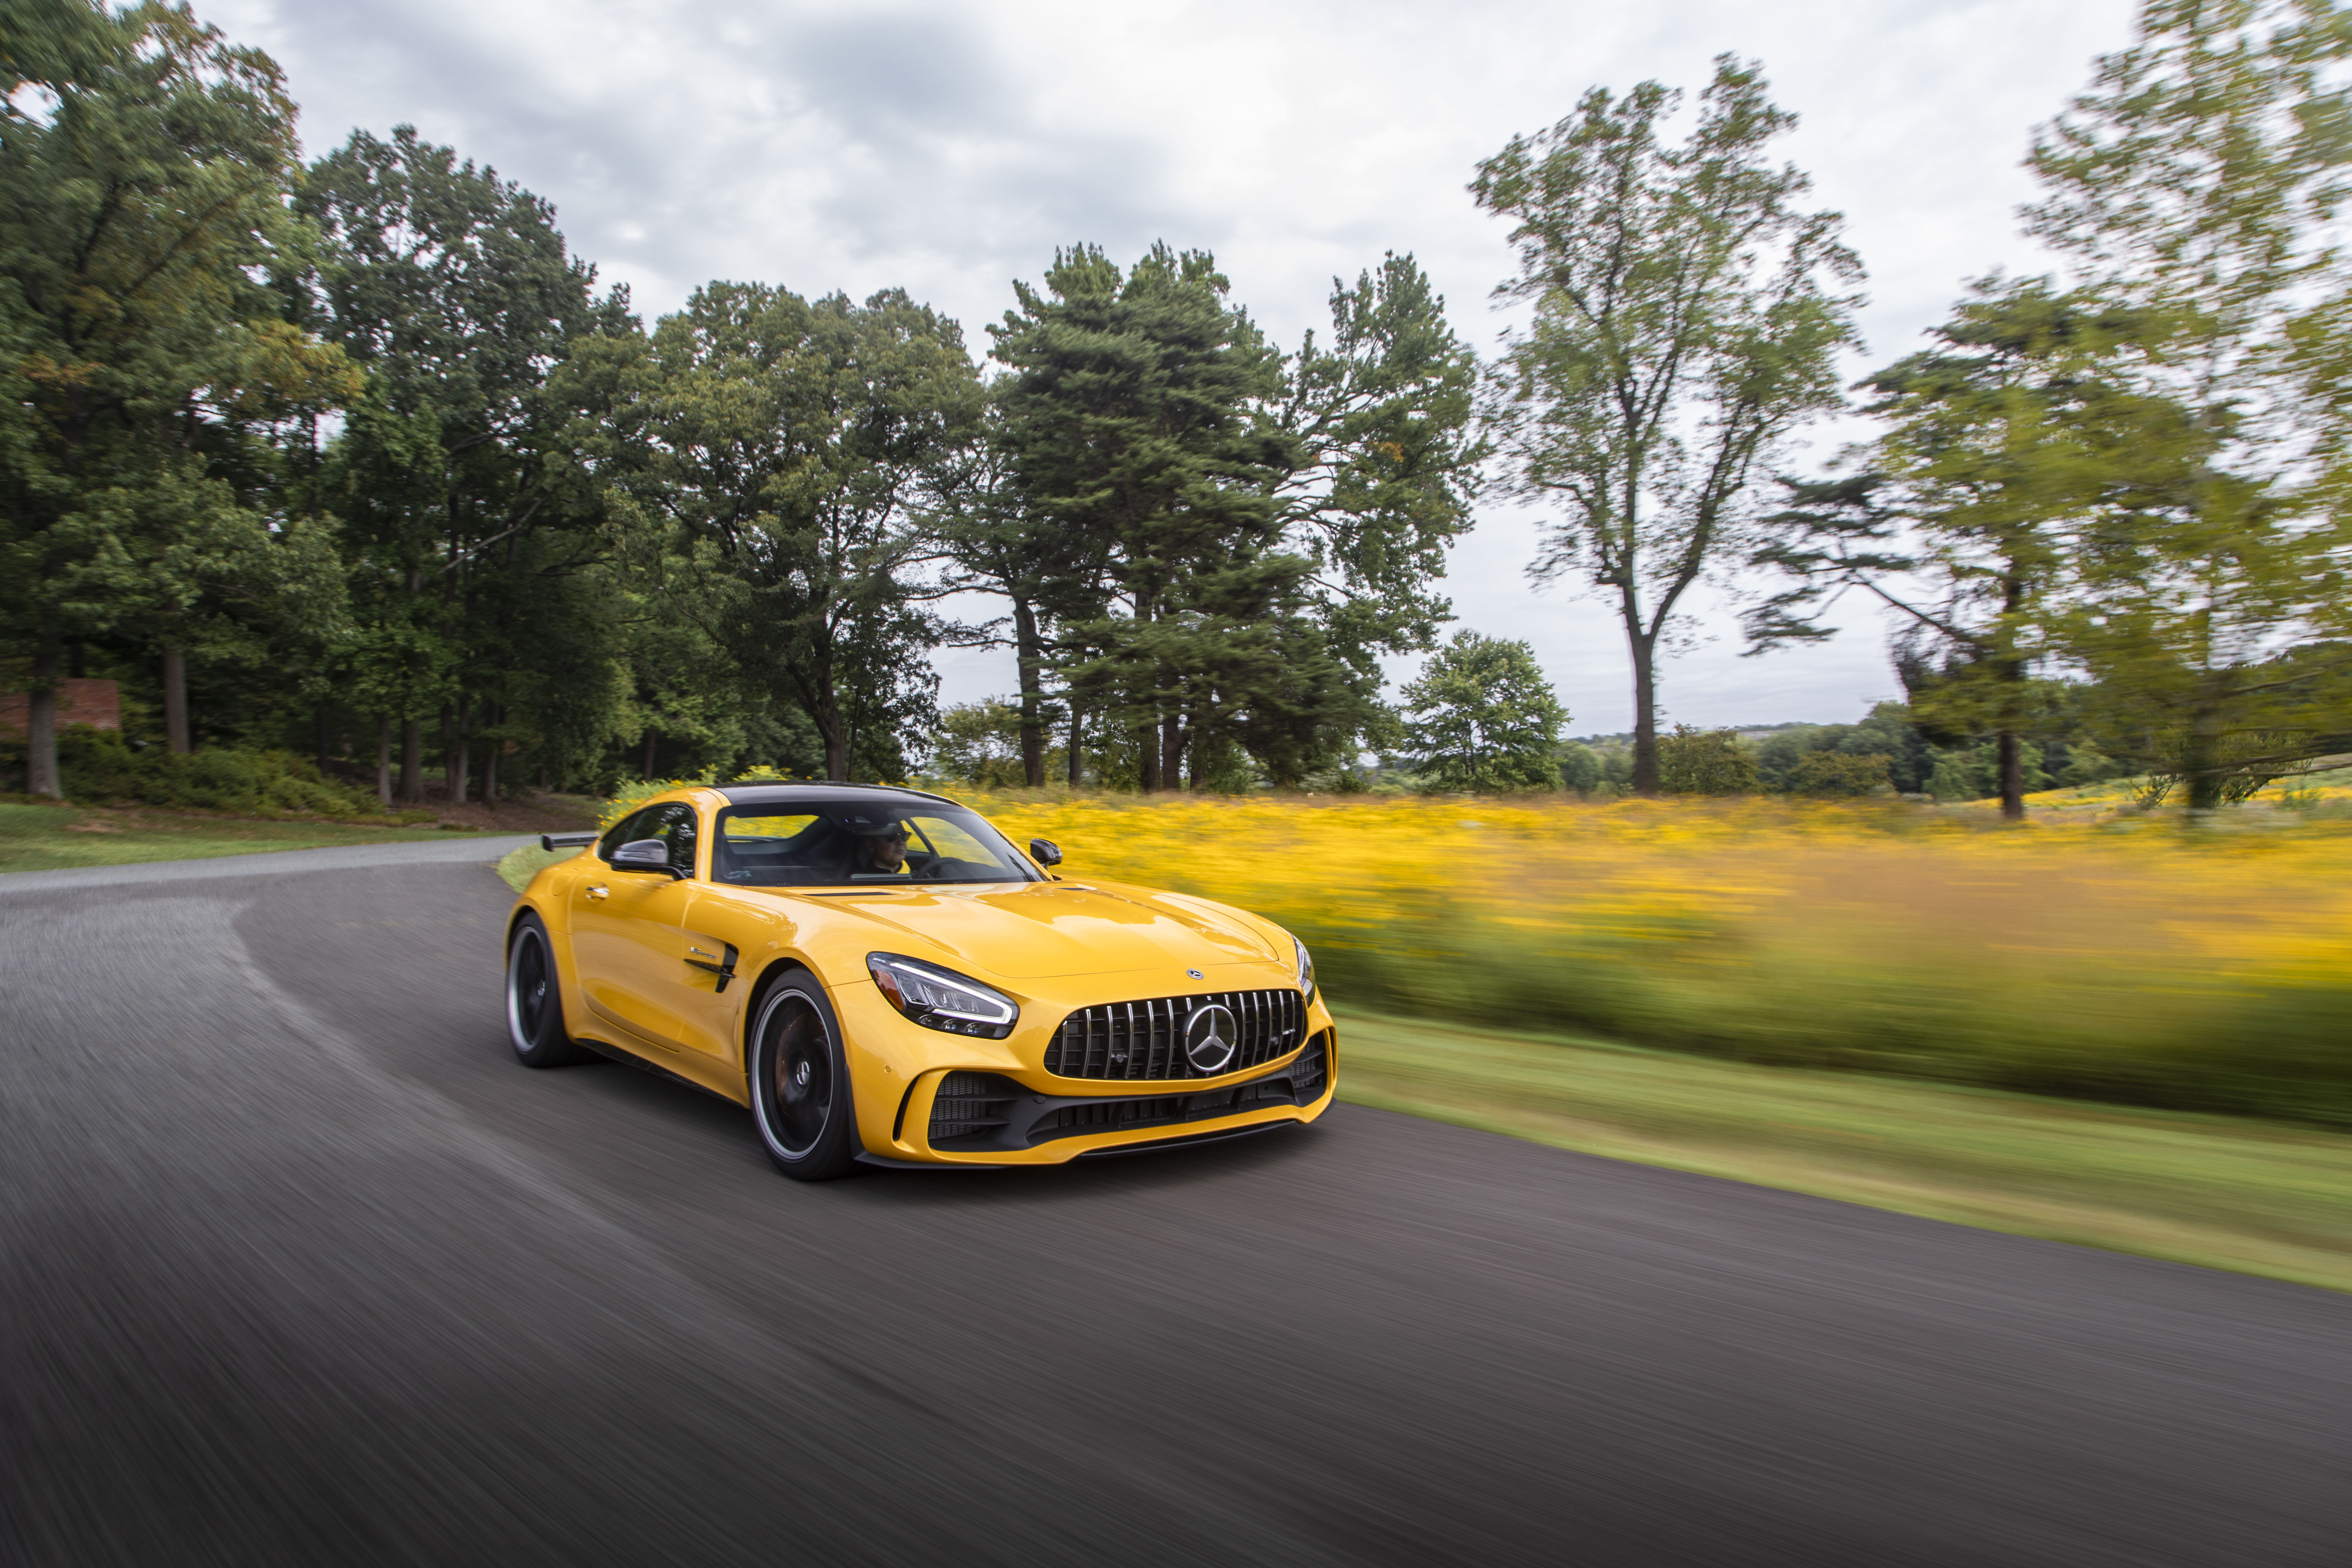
<point x="1146" y="1039"/>
<point x="971" y="1105"/>
<point x="1311" y="1071"/>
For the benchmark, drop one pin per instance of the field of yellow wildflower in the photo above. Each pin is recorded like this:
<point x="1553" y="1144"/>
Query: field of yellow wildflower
<point x="2088" y="953"/>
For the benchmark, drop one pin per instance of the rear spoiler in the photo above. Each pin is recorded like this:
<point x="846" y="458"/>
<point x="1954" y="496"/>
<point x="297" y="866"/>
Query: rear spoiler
<point x="566" y="840"/>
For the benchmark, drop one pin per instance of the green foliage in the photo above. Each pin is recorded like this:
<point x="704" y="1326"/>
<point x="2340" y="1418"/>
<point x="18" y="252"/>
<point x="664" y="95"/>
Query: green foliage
<point x="1481" y="716"/>
<point x="979" y="744"/>
<point x="145" y="366"/>
<point x="2194" y="186"/>
<point x="101" y="768"/>
<point x="1128" y="423"/>
<point x="468" y="548"/>
<point x="2271" y="1051"/>
<point x="1686" y="316"/>
<point x="1580" y="768"/>
<point x="768" y="461"/>
<point x="1837" y="775"/>
<point x="1705" y="762"/>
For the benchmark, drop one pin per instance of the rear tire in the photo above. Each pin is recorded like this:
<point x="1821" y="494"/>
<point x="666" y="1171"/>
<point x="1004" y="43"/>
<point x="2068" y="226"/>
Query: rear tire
<point x="799" y="1079"/>
<point x="535" y="1000"/>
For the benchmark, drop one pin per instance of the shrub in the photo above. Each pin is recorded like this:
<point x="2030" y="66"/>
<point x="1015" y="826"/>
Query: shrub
<point x="1705" y="762"/>
<point x="99" y="766"/>
<point x="1833" y="775"/>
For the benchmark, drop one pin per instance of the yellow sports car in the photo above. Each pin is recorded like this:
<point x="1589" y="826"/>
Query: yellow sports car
<point x="881" y="977"/>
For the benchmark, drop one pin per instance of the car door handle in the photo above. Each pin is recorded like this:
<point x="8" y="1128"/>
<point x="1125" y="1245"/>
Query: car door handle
<point x="599" y="891"/>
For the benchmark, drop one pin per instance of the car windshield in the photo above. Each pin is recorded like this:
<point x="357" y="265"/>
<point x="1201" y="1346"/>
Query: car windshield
<point x="836" y="843"/>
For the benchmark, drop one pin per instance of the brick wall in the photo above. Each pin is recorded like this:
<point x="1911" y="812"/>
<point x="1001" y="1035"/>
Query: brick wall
<point x="97" y="703"/>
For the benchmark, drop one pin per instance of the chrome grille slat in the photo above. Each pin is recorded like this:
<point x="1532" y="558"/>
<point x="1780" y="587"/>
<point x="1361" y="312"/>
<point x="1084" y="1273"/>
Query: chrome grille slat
<point x="1144" y="1040"/>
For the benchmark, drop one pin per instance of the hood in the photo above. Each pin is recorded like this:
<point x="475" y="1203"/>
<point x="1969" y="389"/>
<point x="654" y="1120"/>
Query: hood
<point x="1048" y="929"/>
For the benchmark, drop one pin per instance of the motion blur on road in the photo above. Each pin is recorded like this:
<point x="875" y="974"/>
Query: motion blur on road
<point x="300" y="1266"/>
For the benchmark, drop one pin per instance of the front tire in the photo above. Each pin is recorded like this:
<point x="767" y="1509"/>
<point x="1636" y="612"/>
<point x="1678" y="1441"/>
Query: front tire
<point x="535" y="1001"/>
<point x="800" y="1083"/>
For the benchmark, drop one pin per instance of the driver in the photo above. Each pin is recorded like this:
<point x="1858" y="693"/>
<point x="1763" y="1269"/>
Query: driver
<point x="878" y="850"/>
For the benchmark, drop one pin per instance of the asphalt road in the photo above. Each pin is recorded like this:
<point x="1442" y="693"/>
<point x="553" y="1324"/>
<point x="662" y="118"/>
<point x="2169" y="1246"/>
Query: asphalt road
<point x="300" y="1266"/>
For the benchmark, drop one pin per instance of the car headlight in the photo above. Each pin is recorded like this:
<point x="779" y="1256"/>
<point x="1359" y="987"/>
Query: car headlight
<point x="941" y="999"/>
<point x="1306" y="969"/>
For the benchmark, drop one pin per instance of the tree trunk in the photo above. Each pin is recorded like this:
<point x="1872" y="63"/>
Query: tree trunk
<point x="1077" y="757"/>
<point x="2011" y="752"/>
<point x="412" y="763"/>
<point x="459" y="755"/>
<point x="646" y="768"/>
<point x="322" y="737"/>
<point x="1147" y="757"/>
<point x="383" y="761"/>
<point x="41" y="719"/>
<point x="2201" y="765"/>
<point x="77" y="659"/>
<point x="1173" y="737"/>
<point x="1645" y="715"/>
<point x="1030" y="656"/>
<point x="491" y="717"/>
<point x="175" y="701"/>
<point x="834" y="734"/>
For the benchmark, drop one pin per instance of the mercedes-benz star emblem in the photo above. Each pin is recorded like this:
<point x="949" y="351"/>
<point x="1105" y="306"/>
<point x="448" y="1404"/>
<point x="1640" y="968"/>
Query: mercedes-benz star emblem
<point x="1209" y="1038"/>
<point x="1196" y="974"/>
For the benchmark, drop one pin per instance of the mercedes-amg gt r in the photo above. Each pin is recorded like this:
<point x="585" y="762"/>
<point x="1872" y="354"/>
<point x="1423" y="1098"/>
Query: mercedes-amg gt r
<point x="879" y="976"/>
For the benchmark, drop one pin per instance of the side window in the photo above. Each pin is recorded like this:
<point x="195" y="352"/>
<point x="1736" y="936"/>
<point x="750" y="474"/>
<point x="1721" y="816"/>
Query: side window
<point x="678" y="829"/>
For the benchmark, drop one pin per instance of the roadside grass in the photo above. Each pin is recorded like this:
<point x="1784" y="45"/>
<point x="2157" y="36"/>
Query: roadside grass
<point x="2257" y="1197"/>
<point x="520" y="866"/>
<point x="59" y="838"/>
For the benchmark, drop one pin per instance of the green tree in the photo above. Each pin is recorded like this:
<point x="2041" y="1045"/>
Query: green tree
<point x="776" y="467"/>
<point x="1579" y="767"/>
<point x="2002" y="439"/>
<point x="980" y="743"/>
<point x="454" y="288"/>
<point x="1276" y="614"/>
<point x="2196" y="184"/>
<point x="1481" y="716"/>
<point x="1050" y="575"/>
<point x="1383" y="461"/>
<point x="144" y="165"/>
<point x="1705" y="762"/>
<point x="1130" y="424"/>
<point x="1685" y="317"/>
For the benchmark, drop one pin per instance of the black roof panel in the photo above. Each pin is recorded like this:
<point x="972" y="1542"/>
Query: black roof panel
<point x="778" y="794"/>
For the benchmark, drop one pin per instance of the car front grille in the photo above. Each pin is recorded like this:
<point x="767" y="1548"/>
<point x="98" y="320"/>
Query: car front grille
<point x="1146" y="1039"/>
<point x="977" y="1112"/>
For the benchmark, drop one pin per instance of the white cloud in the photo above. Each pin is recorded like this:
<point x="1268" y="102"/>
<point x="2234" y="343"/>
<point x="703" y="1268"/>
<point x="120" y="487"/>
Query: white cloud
<point x="949" y="148"/>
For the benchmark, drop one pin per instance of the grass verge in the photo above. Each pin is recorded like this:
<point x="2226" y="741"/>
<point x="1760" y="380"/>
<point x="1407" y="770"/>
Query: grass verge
<point x="59" y="838"/>
<point x="520" y="866"/>
<point x="2220" y="1192"/>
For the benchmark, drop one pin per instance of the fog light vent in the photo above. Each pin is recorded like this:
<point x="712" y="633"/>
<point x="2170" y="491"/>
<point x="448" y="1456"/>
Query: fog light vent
<point x="971" y="1105"/>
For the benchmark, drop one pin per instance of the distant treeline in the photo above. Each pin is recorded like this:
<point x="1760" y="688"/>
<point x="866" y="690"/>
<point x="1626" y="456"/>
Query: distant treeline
<point x="352" y="459"/>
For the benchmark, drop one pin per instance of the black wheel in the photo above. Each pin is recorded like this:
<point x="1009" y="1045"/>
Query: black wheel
<point x="534" y="1002"/>
<point x="800" y="1083"/>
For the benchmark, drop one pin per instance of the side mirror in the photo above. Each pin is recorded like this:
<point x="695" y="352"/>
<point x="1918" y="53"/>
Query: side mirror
<point x="1044" y="851"/>
<point x="643" y="855"/>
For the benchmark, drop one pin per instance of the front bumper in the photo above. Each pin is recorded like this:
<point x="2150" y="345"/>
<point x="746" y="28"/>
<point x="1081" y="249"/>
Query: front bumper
<point x="959" y="1116"/>
<point x="1042" y="1117"/>
<point x="987" y="1114"/>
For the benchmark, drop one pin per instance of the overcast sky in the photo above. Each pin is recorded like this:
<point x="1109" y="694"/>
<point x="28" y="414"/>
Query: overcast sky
<point x="950" y="148"/>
